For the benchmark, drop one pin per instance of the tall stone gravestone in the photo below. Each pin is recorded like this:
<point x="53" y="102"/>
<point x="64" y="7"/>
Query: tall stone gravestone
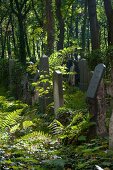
<point x="44" y="70"/>
<point x="58" y="90"/>
<point x="84" y="74"/>
<point x="96" y="101"/>
<point x="71" y="79"/>
<point x="44" y="65"/>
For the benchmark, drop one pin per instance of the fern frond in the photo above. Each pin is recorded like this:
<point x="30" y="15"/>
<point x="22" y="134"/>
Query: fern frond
<point x="39" y="136"/>
<point x="11" y="118"/>
<point x="56" y="127"/>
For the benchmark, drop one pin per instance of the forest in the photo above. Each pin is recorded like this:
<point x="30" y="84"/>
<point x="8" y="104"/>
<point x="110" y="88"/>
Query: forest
<point x="56" y="84"/>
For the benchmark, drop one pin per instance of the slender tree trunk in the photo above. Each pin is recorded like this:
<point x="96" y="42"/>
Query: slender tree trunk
<point x="76" y="29"/>
<point x="49" y="27"/>
<point x="94" y="27"/>
<point x="4" y="39"/>
<point x="84" y="26"/>
<point x="109" y="14"/>
<point x="27" y="45"/>
<point x="60" y="25"/>
<point x="88" y="37"/>
<point x="8" y="46"/>
<point x="13" y="38"/>
<point x="33" y="47"/>
<point x="22" y="47"/>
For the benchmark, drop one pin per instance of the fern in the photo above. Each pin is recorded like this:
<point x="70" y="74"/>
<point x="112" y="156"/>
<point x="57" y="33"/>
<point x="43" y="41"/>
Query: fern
<point x="11" y="119"/>
<point x="56" y="127"/>
<point x="39" y="136"/>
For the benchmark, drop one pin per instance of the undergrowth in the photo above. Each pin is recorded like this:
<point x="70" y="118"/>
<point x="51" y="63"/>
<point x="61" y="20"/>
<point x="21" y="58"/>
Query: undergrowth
<point x="31" y="141"/>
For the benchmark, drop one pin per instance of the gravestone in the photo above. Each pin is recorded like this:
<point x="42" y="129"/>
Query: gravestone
<point x="25" y="89"/>
<point x="95" y="81"/>
<point x="44" y="70"/>
<point x="44" y="65"/>
<point x="71" y="79"/>
<point x="84" y="74"/>
<point x="58" y="90"/>
<point x="96" y="101"/>
<point x="77" y="71"/>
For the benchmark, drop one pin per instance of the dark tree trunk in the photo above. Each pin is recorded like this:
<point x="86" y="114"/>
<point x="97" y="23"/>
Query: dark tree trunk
<point x="4" y="39"/>
<point x="94" y="27"/>
<point x="109" y="14"/>
<point x="49" y="27"/>
<point x="60" y="25"/>
<point x="84" y="26"/>
<point x="22" y="47"/>
<point x="27" y="45"/>
<point x="33" y="47"/>
<point x="9" y="46"/>
<point x="13" y="38"/>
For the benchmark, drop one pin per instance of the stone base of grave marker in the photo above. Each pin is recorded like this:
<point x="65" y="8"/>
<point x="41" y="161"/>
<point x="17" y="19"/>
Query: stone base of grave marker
<point x="93" y="110"/>
<point x="111" y="132"/>
<point x="101" y="116"/>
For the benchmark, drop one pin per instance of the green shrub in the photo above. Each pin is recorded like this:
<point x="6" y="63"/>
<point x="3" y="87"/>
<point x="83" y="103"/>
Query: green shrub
<point x="75" y="100"/>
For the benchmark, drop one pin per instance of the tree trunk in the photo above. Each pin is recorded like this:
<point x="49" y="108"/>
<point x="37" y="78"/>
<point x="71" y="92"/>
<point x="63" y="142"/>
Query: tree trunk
<point x="109" y="14"/>
<point x="94" y="27"/>
<point x="49" y="27"/>
<point x="22" y="49"/>
<point x="84" y="26"/>
<point x="13" y="38"/>
<point x="60" y="25"/>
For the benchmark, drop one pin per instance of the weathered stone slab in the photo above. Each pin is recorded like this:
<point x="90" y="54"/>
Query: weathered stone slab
<point x="71" y="79"/>
<point x="58" y="91"/>
<point x="84" y="74"/>
<point x="44" y="70"/>
<point x="95" y="81"/>
<point x="44" y="65"/>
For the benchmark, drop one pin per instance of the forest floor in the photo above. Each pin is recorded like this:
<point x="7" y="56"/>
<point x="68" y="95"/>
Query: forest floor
<point x="27" y="142"/>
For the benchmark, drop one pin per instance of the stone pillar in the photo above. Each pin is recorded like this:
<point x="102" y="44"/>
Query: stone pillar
<point x="58" y="90"/>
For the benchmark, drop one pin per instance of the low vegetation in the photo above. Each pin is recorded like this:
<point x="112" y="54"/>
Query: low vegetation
<point x="30" y="140"/>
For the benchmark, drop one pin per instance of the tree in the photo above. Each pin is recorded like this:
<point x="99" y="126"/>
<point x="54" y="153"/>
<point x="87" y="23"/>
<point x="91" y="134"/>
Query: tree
<point x="60" y="26"/>
<point x="109" y="14"/>
<point x="49" y="27"/>
<point x="21" y="9"/>
<point x="94" y="27"/>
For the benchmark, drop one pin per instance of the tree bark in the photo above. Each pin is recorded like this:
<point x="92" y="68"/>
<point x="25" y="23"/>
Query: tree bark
<point x="94" y="27"/>
<point x="22" y="47"/>
<point x="60" y="25"/>
<point x="109" y="14"/>
<point x="84" y="26"/>
<point x="49" y="27"/>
